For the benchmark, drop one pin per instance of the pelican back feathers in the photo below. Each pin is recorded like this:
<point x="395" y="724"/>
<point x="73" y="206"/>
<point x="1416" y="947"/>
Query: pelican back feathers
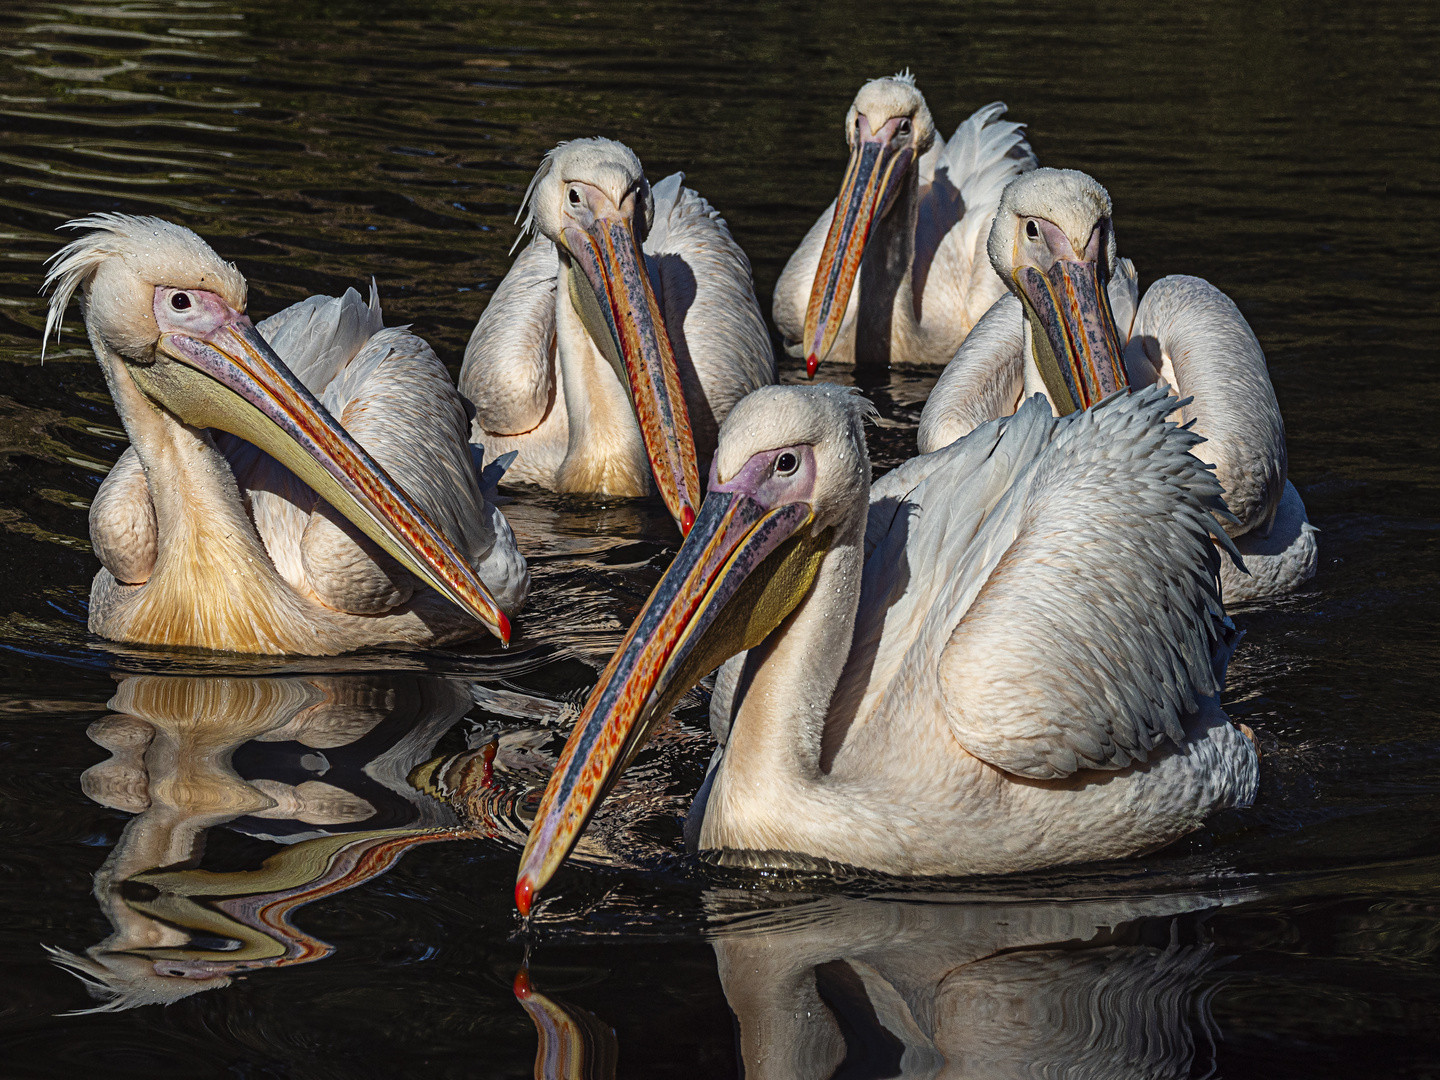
<point x="721" y="344"/>
<point x="1064" y="591"/>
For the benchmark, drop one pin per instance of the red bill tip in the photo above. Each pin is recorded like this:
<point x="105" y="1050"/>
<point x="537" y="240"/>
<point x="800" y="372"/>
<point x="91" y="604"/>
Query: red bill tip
<point x="522" y="986"/>
<point x="687" y="519"/>
<point x="811" y="363"/>
<point x="489" y="755"/>
<point x="524" y="894"/>
<point x="504" y="629"/>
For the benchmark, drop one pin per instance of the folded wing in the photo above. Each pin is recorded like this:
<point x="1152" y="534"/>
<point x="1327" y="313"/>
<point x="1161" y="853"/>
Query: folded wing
<point x="1052" y="582"/>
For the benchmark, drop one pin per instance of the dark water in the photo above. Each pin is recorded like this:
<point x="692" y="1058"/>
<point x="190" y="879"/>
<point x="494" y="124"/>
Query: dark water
<point x="363" y="926"/>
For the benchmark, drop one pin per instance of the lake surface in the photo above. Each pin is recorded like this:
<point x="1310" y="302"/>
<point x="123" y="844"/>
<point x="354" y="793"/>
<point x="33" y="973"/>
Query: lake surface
<point x="313" y="861"/>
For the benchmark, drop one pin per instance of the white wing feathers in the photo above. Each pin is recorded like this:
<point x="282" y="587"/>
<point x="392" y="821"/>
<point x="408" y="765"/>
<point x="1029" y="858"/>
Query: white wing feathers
<point x="983" y="156"/>
<point x="1188" y="325"/>
<point x="983" y="381"/>
<point x="721" y="344"/>
<point x="507" y="372"/>
<point x="958" y="208"/>
<point x="1053" y="582"/>
<point x="393" y="395"/>
<point x="319" y="335"/>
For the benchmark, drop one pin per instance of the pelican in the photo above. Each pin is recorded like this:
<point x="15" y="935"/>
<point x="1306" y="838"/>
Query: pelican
<point x="1003" y="656"/>
<point x="244" y="516"/>
<point x="1054" y="236"/>
<point x="625" y="332"/>
<point x="899" y="274"/>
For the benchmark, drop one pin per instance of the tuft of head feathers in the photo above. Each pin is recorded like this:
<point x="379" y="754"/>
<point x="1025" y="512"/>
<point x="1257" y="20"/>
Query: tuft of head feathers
<point x="149" y="250"/>
<point x="602" y="163"/>
<point x="129" y="981"/>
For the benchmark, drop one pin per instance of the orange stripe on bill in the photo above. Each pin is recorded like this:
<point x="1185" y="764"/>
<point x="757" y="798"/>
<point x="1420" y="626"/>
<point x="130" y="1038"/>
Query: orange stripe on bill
<point x="609" y="254"/>
<point x="872" y="180"/>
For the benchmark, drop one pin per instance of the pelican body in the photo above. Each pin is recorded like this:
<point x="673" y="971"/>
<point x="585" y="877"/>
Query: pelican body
<point x="895" y="270"/>
<point x="1074" y="329"/>
<point x="315" y="507"/>
<point x="1006" y="655"/>
<point x="623" y="335"/>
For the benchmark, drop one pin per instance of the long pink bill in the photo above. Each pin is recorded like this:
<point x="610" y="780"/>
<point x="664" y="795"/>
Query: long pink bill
<point x="286" y="420"/>
<point x="872" y="180"/>
<point x="657" y="661"/>
<point x="610" y="256"/>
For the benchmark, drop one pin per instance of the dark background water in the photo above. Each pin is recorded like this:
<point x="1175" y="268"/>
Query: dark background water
<point x="1287" y="152"/>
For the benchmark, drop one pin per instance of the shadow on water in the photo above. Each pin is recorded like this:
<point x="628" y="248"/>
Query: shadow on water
<point x="312" y="860"/>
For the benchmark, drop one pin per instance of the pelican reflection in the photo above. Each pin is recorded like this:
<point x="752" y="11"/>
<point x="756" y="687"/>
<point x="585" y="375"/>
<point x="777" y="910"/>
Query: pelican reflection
<point x="342" y="772"/>
<point x="948" y="987"/>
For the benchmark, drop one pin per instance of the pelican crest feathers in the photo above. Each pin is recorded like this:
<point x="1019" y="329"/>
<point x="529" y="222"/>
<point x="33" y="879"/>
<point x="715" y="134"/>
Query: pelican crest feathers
<point x="159" y="251"/>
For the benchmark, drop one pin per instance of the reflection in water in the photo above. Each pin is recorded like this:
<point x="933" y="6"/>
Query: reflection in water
<point x="574" y="1044"/>
<point x="839" y="987"/>
<point x="341" y="770"/>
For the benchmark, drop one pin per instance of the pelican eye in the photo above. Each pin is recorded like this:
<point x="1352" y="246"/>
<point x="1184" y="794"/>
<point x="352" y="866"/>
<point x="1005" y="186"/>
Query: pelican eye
<point x="574" y="197"/>
<point x="786" y="464"/>
<point x="1032" y="230"/>
<point x="904" y="127"/>
<point x="180" y="301"/>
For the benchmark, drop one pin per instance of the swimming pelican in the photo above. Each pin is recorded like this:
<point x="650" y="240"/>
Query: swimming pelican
<point x="1003" y="656"/>
<point x="245" y="517"/>
<point x="900" y="275"/>
<point x="1054" y="235"/>
<point x="622" y="336"/>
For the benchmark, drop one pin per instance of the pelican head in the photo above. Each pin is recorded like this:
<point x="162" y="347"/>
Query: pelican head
<point x="166" y="317"/>
<point x="1053" y="244"/>
<point x="590" y="197"/>
<point x="888" y="128"/>
<point x="790" y="477"/>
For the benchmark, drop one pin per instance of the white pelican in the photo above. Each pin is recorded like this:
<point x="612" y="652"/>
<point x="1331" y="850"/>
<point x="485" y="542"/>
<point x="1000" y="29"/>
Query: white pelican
<point x="622" y="336"/>
<point x="1054" y="237"/>
<point x="1005" y="655"/>
<point x="252" y="541"/>
<point x="900" y="275"/>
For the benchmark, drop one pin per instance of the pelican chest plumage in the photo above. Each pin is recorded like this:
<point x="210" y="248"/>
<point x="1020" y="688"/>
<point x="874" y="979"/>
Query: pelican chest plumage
<point x="273" y="508"/>
<point x="1074" y="330"/>
<point x="1005" y="655"/>
<point x="623" y="335"/>
<point x="895" y="270"/>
